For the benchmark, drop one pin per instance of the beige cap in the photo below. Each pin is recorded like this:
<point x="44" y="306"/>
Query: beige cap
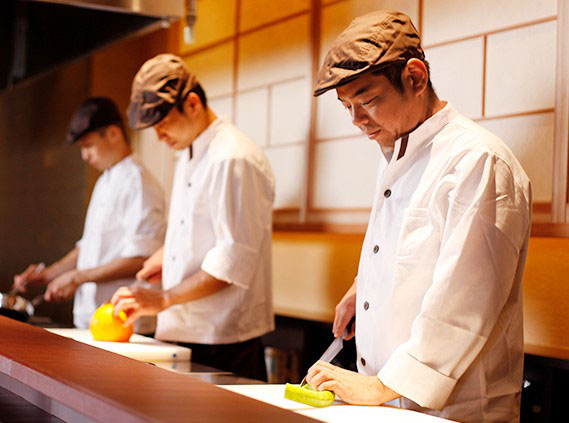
<point x="160" y="84"/>
<point x="370" y="42"/>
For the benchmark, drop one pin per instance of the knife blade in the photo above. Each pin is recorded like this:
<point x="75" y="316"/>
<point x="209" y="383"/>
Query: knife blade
<point x="331" y="352"/>
<point x="13" y="292"/>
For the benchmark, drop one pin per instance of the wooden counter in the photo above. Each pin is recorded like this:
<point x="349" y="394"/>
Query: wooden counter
<point x="77" y="382"/>
<point x="546" y="298"/>
<point x="320" y="267"/>
<point x="317" y="267"/>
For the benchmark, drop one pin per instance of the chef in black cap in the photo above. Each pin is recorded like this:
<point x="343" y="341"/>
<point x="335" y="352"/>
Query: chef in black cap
<point x="124" y="224"/>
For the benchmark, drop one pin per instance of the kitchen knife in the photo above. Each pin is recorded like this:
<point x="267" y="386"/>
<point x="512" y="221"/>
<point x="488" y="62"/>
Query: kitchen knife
<point x="331" y="352"/>
<point x="13" y="292"/>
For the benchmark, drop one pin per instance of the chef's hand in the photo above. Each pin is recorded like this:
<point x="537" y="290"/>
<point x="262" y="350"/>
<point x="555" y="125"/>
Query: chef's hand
<point x="345" y="310"/>
<point x="34" y="275"/>
<point x="151" y="271"/>
<point x="350" y="387"/>
<point x="62" y="287"/>
<point x="136" y="301"/>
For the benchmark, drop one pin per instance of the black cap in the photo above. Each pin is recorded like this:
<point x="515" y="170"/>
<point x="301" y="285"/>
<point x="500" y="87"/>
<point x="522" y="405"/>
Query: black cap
<point x="94" y="113"/>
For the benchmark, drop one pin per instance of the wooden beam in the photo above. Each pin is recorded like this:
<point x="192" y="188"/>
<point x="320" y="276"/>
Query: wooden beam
<point x="308" y="188"/>
<point x="561" y="123"/>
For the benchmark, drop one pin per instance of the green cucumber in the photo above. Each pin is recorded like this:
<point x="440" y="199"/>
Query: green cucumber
<point x="308" y="395"/>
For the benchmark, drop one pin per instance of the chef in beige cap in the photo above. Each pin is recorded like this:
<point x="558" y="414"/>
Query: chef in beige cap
<point x="215" y="264"/>
<point x="438" y="294"/>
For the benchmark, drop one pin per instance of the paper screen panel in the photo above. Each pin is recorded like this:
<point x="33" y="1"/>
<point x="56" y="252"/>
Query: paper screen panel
<point x="456" y="74"/>
<point x="274" y="54"/>
<point x="290" y="115"/>
<point x="517" y="81"/>
<point x="531" y="140"/>
<point x="288" y="165"/>
<point x="445" y="20"/>
<point x="222" y="106"/>
<point x="251" y="114"/>
<point x="214" y="69"/>
<point x="345" y="173"/>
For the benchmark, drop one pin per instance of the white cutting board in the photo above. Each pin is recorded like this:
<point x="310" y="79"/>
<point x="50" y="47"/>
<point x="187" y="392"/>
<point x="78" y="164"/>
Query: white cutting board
<point x="139" y="347"/>
<point x="338" y="412"/>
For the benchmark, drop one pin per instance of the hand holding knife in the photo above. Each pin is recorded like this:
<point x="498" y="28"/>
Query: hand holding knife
<point x="334" y="348"/>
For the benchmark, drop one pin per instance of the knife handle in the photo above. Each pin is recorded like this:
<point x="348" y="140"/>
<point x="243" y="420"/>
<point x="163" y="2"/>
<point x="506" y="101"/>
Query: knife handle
<point x="349" y="327"/>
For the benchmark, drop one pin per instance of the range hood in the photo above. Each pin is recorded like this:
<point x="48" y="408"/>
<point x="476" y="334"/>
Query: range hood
<point x="156" y="8"/>
<point x="39" y="35"/>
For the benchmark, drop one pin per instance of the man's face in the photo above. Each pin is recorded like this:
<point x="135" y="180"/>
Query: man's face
<point x="382" y="112"/>
<point x="176" y="129"/>
<point x="97" y="150"/>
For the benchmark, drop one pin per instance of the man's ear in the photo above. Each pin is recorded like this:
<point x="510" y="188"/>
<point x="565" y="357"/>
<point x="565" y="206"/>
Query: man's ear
<point x="114" y="133"/>
<point x="193" y="103"/>
<point x="416" y="76"/>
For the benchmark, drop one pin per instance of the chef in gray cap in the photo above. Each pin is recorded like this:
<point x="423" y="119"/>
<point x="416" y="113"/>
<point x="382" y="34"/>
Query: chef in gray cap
<point x="215" y="265"/>
<point x="438" y="294"/>
<point x="125" y="221"/>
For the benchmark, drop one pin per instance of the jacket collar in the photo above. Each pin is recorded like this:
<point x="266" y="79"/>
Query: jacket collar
<point x="199" y="146"/>
<point x="423" y="135"/>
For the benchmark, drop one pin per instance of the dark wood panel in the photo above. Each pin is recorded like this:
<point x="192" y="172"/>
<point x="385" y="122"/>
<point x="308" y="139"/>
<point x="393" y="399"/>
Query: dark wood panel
<point x="109" y="387"/>
<point x="15" y="409"/>
<point x="550" y="230"/>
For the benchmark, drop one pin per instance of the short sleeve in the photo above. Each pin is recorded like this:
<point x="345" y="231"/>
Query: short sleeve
<point x="241" y="196"/>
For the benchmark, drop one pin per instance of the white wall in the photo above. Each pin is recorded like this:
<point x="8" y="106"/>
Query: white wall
<point x="493" y="60"/>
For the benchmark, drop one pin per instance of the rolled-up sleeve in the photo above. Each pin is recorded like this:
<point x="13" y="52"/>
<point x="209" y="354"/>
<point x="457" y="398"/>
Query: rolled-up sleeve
<point x="241" y="196"/>
<point x="484" y="222"/>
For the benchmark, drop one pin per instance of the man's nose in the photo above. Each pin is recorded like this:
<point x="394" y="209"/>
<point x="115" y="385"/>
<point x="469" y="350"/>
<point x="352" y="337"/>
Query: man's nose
<point x="359" y="116"/>
<point x="84" y="154"/>
<point x="159" y="134"/>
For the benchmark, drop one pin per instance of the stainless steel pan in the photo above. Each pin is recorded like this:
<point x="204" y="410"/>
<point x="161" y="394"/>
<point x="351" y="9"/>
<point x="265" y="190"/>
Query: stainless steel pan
<point x="17" y="307"/>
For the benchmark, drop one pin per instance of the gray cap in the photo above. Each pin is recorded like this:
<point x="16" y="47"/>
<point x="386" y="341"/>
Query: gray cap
<point x="160" y="84"/>
<point x="370" y="42"/>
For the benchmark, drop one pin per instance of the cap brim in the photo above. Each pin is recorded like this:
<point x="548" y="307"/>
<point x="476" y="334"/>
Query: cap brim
<point x="335" y="83"/>
<point x="321" y="90"/>
<point x="140" y="117"/>
<point x="332" y="85"/>
<point x="73" y="138"/>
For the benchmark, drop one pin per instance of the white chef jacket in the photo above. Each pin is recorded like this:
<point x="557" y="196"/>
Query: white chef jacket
<point x="220" y="221"/>
<point x="125" y="218"/>
<point x="439" y="293"/>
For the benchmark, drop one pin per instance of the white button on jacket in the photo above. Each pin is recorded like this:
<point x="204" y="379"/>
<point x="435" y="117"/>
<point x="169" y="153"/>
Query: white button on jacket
<point x="443" y="326"/>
